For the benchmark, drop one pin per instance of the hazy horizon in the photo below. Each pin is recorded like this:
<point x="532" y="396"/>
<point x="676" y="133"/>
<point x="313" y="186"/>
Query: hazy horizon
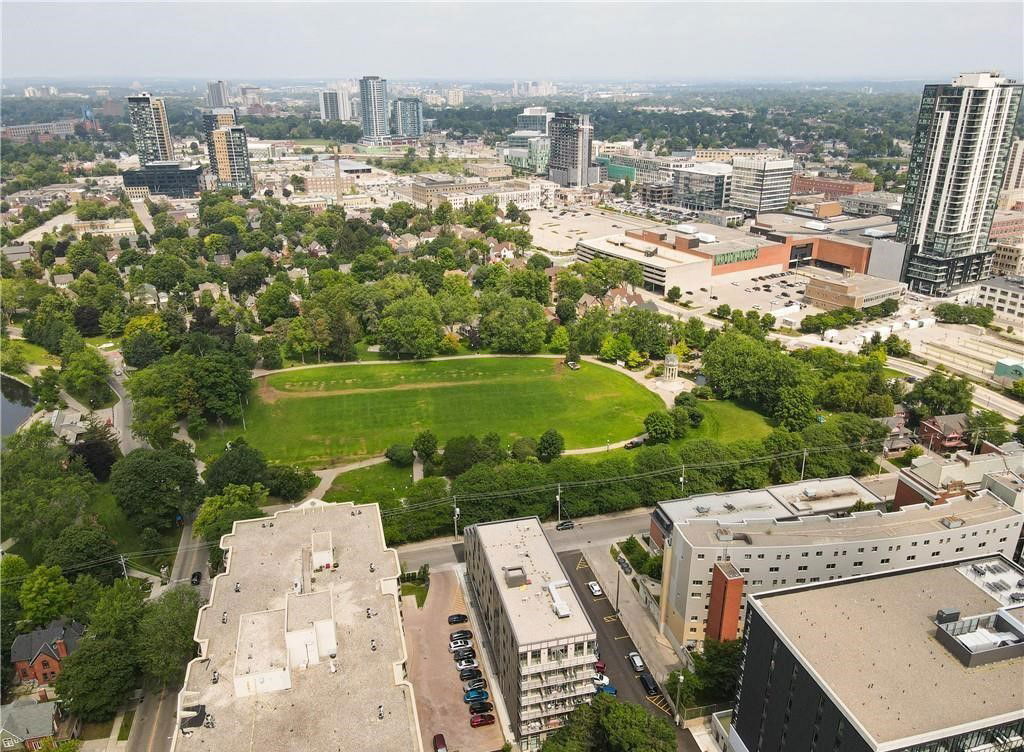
<point x="580" y="42"/>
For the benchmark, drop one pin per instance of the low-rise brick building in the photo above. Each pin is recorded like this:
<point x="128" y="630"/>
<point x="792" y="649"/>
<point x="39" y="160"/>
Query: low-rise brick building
<point x="37" y="656"/>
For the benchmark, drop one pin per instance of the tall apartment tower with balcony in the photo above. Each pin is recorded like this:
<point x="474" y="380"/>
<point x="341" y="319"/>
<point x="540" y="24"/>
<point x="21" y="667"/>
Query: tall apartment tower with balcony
<point x="373" y="108"/>
<point x="229" y="158"/>
<point x="148" y="119"/>
<point x="407" y="117"/>
<point x="760" y="185"/>
<point x="571" y="163"/>
<point x="212" y="119"/>
<point x="330" y="104"/>
<point x="957" y="164"/>
<point x="217" y="93"/>
<point x="543" y="644"/>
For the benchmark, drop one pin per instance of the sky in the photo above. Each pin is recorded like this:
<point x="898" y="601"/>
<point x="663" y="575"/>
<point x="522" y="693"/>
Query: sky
<point x="479" y="41"/>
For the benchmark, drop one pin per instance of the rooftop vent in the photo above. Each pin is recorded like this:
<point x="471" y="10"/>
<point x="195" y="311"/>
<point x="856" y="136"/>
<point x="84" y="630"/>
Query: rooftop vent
<point x="702" y="509"/>
<point x="723" y="534"/>
<point x="952" y="522"/>
<point x="515" y="576"/>
<point x="947" y="615"/>
<point x="560" y="607"/>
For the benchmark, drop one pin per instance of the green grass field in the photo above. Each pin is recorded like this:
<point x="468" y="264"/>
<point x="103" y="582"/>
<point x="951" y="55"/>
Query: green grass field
<point x="35" y="355"/>
<point x="323" y="416"/>
<point x="383" y="483"/>
<point x="125" y="535"/>
<point x="727" y="421"/>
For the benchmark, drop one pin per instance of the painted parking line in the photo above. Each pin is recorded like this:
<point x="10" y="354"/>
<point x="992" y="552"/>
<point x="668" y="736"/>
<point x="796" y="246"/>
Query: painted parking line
<point x="610" y="618"/>
<point x="602" y="598"/>
<point x="624" y="637"/>
<point x="582" y="564"/>
<point x="661" y="704"/>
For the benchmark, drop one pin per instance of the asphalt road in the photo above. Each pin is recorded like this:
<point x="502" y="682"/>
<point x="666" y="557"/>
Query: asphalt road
<point x="614" y="644"/>
<point x="154" y="719"/>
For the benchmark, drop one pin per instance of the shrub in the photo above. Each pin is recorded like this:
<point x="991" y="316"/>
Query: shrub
<point x="400" y="455"/>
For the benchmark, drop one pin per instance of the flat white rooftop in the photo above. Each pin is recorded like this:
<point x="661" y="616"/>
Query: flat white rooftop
<point x="298" y="657"/>
<point x="531" y="606"/>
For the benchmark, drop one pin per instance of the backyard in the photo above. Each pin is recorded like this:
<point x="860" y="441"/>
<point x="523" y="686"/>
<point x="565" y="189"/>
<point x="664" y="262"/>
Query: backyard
<point x="324" y="416"/>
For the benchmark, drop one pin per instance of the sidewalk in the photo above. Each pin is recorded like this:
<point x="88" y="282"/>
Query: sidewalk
<point x="638" y="621"/>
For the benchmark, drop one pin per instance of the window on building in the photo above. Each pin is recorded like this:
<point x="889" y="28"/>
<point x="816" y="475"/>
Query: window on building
<point x="535" y="656"/>
<point x="911" y="557"/>
<point x="46" y="664"/>
<point x="700" y="556"/>
<point x="830" y="566"/>
<point x="858" y="563"/>
<point x="884" y="561"/>
<point x="802" y="568"/>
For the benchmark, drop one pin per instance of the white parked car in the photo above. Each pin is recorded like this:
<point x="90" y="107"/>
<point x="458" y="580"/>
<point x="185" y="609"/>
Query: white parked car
<point x="459" y="645"/>
<point x="471" y="663"/>
<point x="595" y="589"/>
<point x="601" y="680"/>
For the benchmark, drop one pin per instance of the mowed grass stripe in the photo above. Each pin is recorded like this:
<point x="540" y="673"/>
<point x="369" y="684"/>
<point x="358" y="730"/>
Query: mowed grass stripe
<point x="514" y="397"/>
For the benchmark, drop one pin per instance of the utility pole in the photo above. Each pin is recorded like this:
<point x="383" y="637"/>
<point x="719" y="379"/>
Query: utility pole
<point x="455" y="515"/>
<point x="558" y="499"/>
<point x="679" y="687"/>
<point x="124" y="569"/>
<point x="618" y="581"/>
<point x="242" y="409"/>
<point x="682" y="481"/>
<point x="803" y="465"/>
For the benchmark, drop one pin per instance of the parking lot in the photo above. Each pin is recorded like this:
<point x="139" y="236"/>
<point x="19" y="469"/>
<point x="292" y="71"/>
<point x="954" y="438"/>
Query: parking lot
<point x="437" y="685"/>
<point x="783" y="290"/>
<point x="614" y="641"/>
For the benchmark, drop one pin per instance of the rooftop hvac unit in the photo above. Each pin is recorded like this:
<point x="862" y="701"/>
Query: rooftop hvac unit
<point x="686" y="229"/>
<point x="952" y="522"/>
<point x="723" y="534"/>
<point x="706" y="237"/>
<point x="730" y="506"/>
<point x="702" y="509"/>
<point x="947" y="616"/>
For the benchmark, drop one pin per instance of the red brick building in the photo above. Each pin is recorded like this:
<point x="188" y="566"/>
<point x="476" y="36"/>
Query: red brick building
<point x="37" y="656"/>
<point x="724" y="606"/>
<point x="832" y="188"/>
<point x="943" y="433"/>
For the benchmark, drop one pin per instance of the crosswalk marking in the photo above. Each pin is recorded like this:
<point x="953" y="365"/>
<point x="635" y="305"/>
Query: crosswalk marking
<point x="610" y="618"/>
<point x="582" y="563"/>
<point x="661" y="704"/>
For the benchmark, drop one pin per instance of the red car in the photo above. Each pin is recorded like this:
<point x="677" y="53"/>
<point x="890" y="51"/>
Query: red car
<point x="599" y="667"/>
<point x="439" y="743"/>
<point x="486" y="719"/>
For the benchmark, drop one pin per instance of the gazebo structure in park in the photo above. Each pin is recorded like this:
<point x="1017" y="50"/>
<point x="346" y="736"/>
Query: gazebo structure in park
<point x="671" y="372"/>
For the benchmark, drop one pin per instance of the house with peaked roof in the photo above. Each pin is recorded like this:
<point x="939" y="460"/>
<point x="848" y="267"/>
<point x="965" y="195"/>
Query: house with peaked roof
<point x="37" y="656"/>
<point x="618" y="298"/>
<point x="26" y="724"/>
<point x="943" y="433"/>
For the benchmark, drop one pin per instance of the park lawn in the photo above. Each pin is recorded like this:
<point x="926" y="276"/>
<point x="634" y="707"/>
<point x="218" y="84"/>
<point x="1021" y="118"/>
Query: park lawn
<point x="323" y="416"/>
<point x="126" y="536"/>
<point x="126" y="726"/>
<point x="383" y="483"/>
<point x="34" y="354"/>
<point x="728" y="421"/>
<point x="94" y="731"/>
<point x="109" y="400"/>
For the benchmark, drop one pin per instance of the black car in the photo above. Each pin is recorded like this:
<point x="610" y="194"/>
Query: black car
<point x="480" y="707"/>
<point x="460" y="634"/>
<point x="634" y="443"/>
<point x="650" y="686"/>
<point x="625" y="565"/>
<point x="470" y="673"/>
<point x="565" y="525"/>
<point x="464" y="655"/>
<point x="458" y="619"/>
<point x="197" y="577"/>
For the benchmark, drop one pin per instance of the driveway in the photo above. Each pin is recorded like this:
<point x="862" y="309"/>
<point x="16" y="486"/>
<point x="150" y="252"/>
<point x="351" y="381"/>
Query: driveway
<point x="432" y="672"/>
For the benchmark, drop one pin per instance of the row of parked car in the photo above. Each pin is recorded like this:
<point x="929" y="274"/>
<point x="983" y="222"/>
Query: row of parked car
<point x="474" y="686"/>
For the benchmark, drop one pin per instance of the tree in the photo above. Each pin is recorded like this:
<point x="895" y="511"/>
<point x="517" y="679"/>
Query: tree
<point x="524" y="448"/>
<point x="96" y="679"/>
<point x="987" y="425"/>
<point x="794" y="407"/>
<point x="80" y="550"/>
<point x="559" y="340"/>
<point x="289" y="483"/>
<point x="411" y="327"/>
<point x="119" y="610"/>
<point x="674" y="294"/>
<point x="660" y="427"/>
<point x="141" y="349"/>
<point x="154" y="421"/>
<point x="550" y="445"/>
<point x="609" y="725"/>
<point x="85" y="594"/>
<point x="165" y="642"/>
<point x="85" y="377"/>
<point x="460" y="454"/>
<point x="513" y="325"/>
<point x="154" y="486"/>
<point x="939" y="394"/>
<point x="239" y="464"/>
<point x="44" y="596"/>
<point x="218" y="514"/>
<point x="425" y="445"/>
<point x="400" y="455"/>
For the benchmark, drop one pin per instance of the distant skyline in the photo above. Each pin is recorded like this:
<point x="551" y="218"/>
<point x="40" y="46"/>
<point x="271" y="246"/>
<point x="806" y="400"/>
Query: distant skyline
<point x="752" y="41"/>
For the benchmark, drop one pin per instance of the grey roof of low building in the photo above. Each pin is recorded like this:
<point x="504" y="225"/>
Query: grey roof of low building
<point x="955" y="423"/>
<point x="27" y="646"/>
<point x="28" y="720"/>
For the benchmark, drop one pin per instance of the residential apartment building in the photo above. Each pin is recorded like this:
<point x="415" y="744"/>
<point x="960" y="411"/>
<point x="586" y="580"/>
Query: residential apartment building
<point x="217" y="93"/>
<point x="728" y="155"/>
<point x="529" y="151"/>
<point x="957" y="166"/>
<point x="229" y="157"/>
<point x="705" y="186"/>
<point x="1013" y="179"/>
<point x="1008" y="258"/>
<point x="774" y="553"/>
<point x="373" y="109"/>
<point x="571" y="162"/>
<point x="430" y="189"/>
<point x="872" y="204"/>
<point x="1005" y="296"/>
<point x="831" y="188"/>
<point x="761" y="185"/>
<point x="534" y="119"/>
<point x="640" y="167"/>
<point x="1006" y="225"/>
<point x="301" y="644"/>
<point x="29" y="131"/>
<point x="407" y="117"/>
<point x="148" y="119"/>
<point x="543" y="646"/>
<point x="330" y="104"/>
<point x="212" y="119"/>
<point x="921" y="658"/>
<point x="933" y="481"/>
<point x="455" y="97"/>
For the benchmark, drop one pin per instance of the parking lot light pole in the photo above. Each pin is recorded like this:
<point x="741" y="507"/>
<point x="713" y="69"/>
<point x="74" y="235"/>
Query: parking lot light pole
<point x="618" y="580"/>
<point x="558" y="500"/>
